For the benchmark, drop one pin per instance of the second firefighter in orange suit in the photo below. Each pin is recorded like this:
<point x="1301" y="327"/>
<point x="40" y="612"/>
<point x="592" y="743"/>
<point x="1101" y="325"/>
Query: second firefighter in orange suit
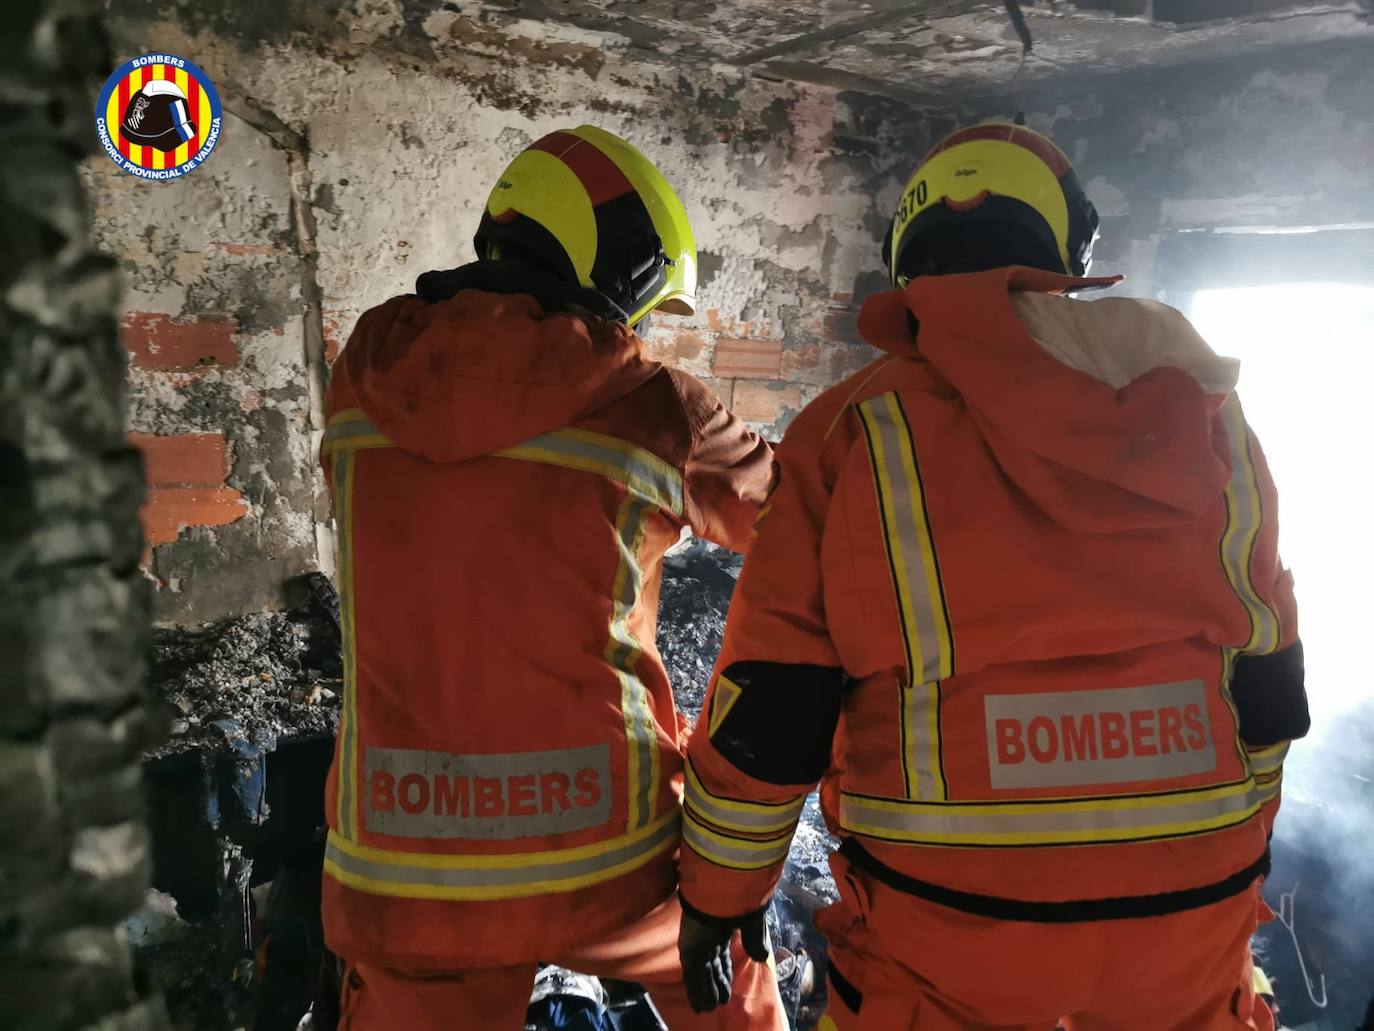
<point x="508" y="469"/>
<point x="1016" y="603"/>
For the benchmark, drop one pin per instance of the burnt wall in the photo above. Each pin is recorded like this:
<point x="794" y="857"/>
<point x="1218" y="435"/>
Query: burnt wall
<point x="360" y="143"/>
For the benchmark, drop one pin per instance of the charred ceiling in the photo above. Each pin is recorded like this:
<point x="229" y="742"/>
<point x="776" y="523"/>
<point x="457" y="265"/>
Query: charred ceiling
<point x="926" y="50"/>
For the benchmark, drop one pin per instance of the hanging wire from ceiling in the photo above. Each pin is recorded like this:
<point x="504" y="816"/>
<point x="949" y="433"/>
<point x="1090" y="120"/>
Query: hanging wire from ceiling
<point x="1023" y="32"/>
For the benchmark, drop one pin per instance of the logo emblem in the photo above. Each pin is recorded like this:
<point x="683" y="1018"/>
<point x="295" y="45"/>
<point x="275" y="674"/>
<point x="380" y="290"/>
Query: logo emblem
<point x="158" y="117"/>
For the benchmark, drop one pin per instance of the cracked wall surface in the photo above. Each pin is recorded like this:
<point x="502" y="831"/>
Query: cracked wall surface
<point x="219" y="389"/>
<point x="358" y="151"/>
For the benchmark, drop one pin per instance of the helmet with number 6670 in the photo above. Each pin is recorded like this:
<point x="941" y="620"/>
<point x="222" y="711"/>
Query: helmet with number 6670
<point x="990" y="196"/>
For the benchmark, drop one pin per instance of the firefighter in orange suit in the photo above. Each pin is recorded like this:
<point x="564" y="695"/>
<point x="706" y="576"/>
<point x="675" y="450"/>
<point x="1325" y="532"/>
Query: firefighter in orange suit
<point x="507" y="470"/>
<point x="1016" y="602"/>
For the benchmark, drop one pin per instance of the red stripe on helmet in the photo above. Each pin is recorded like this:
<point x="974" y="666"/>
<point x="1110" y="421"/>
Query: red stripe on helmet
<point x="1030" y="140"/>
<point x="600" y="176"/>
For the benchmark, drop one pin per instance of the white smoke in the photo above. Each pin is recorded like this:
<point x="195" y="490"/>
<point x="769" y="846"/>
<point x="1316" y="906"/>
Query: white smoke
<point x="1307" y="368"/>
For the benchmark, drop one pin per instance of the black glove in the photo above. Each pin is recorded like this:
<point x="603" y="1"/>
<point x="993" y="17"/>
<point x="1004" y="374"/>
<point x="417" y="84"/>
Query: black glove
<point x="703" y="947"/>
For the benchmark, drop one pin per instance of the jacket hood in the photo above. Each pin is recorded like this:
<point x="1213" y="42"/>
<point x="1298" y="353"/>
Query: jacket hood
<point x="1102" y="412"/>
<point x="471" y="367"/>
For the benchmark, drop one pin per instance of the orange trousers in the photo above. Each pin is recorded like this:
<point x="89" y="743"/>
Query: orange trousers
<point x="495" y="999"/>
<point x="909" y="965"/>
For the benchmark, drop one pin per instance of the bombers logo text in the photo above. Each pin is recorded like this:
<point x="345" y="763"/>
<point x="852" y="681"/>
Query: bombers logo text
<point x="1112" y="736"/>
<point x="501" y="796"/>
<point x="158" y="117"/>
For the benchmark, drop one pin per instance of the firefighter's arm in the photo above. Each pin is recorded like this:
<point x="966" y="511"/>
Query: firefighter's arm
<point x="764" y="738"/>
<point x="728" y="472"/>
<point x="1267" y="681"/>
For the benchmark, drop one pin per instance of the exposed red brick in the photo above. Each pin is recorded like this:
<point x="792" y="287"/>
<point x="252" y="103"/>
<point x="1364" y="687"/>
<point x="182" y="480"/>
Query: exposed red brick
<point x="764" y="402"/>
<point x="844" y="298"/>
<point x="169" y="510"/>
<point x="190" y="459"/>
<point x="747" y="359"/>
<point x="156" y="341"/>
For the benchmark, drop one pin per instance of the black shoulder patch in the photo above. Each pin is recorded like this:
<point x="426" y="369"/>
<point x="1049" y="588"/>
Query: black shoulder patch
<point x="775" y="721"/>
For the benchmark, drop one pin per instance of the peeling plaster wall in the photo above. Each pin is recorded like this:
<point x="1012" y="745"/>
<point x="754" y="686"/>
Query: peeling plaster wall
<point x="212" y="321"/>
<point x="361" y="146"/>
<point x="1284" y="142"/>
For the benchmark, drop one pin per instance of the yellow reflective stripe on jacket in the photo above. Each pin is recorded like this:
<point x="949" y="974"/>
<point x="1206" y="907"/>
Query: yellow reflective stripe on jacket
<point x="642" y="472"/>
<point x="1267" y="760"/>
<point x="915" y="568"/>
<point x="351" y="430"/>
<point x="344" y="473"/>
<point x="731" y="814"/>
<point x="652" y="485"/>
<point x="1270" y="786"/>
<point x="734" y="853"/>
<point x="481" y="878"/>
<point x="1059" y="822"/>
<point x="1244" y="518"/>
<point x="623" y="652"/>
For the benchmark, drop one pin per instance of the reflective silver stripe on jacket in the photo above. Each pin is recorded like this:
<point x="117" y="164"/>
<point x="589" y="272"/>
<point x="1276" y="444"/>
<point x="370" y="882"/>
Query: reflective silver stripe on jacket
<point x="918" y="591"/>
<point x="351" y="430"/>
<point x="1268" y="760"/>
<point x="735" y="853"/>
<point x="908" y="529"/>
<point x="485" y="877"/>
<point x="1051" y="823"/>
<point x="1244" y="518"/>
<point x="642" y="472"/>
<point x="732" y="815"/>
<point x="623" y="652"/>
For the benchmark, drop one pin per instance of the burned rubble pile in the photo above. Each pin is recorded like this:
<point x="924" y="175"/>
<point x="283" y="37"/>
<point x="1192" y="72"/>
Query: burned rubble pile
<point x="265" y="676"/>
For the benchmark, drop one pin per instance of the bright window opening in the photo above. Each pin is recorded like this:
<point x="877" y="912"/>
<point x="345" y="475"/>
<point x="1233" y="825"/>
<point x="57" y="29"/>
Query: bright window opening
<point x="1307" y="370"/>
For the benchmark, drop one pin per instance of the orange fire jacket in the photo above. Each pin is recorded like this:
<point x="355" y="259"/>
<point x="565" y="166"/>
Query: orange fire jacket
<point x="996" y="604"/>
<point x="505" y="482"/>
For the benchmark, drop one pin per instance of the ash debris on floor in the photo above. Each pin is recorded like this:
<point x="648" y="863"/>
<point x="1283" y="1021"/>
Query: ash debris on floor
<point x="183" y="961"/>
<point x="698" y="580"/>
<point x="274" y="674"/>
